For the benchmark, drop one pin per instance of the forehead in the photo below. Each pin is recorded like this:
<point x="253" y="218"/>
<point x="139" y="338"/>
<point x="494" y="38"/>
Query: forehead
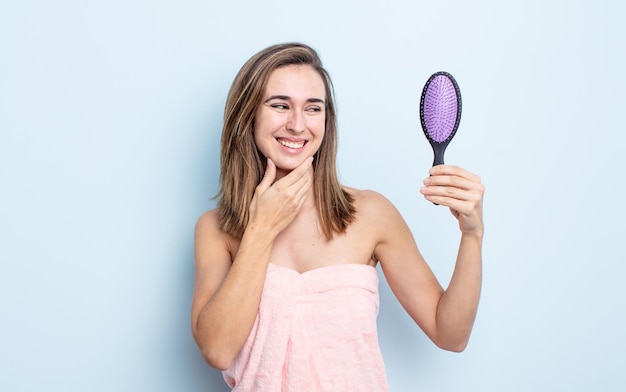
<point x="295" y="81"/>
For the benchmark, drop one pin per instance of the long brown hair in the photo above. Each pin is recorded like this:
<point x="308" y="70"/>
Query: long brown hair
<point x="243" y="166"/>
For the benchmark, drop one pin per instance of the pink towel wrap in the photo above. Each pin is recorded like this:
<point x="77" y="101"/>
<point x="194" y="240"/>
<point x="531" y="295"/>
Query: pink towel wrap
<point x="314" y="331"/>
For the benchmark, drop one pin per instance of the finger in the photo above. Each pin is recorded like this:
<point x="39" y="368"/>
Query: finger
<point x="454" y="181"/>
<point x="450" y="187"/>
<point x="447" y="194"/>
<point x="303" y="185"/>
<point x="466" y="203"/>
<point x="447" y="180"/>
<point x="268" y="177"/>
<point x="298" y="189"/>
<point x="460" y="200"/>
<point x="453" y="171"/>
<point x="296" y="174"/>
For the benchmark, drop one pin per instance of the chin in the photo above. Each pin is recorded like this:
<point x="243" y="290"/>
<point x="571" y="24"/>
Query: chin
<point x="287" y="164"/>
<point x="285" y="167"/>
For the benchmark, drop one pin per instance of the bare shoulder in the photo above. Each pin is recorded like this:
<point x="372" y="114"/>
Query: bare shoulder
<point x="208" y="221"/>
<point x="207" y="226"/>
<point x="372" y="204"/>
<point x="209" y="237"/>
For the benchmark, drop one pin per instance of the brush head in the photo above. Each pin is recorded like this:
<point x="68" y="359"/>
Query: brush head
<point x="440" y="107"/>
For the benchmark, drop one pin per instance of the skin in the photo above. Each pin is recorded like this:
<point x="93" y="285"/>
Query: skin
<point x="292" y="112"/>
<point x="284" y="229"/>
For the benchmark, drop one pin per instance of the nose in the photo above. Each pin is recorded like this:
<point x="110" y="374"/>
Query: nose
<point x="295" y="122"/>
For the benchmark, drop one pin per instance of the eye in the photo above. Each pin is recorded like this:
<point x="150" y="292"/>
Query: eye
<point x="314" y="109"/>
<point x="280" y="106"/>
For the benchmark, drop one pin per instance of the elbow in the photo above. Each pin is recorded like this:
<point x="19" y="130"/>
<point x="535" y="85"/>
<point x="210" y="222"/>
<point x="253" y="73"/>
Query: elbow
<point x="214" y="354"/>
<point x="451" y="335"/>
<point x="455" y="348"/>
<point x="217" y="360"/>
<point x="453" y="345"/>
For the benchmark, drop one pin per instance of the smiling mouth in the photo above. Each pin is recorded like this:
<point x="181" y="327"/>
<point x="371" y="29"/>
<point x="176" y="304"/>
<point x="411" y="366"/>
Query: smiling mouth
<point x="294" y="145"/>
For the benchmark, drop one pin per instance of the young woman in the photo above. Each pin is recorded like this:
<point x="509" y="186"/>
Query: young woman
<point x="286" y="293"/>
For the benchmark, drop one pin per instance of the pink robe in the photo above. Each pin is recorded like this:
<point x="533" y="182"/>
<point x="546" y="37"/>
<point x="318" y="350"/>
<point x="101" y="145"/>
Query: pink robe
<point x="314" y="331"/>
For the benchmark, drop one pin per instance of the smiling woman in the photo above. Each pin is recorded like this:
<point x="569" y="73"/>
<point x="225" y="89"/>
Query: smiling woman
<point x="289" y="125"/>
<point x="286" y="294"/>
<point x="242" y="166"/>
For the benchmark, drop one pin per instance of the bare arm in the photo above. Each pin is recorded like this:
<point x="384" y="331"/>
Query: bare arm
<point x="462" y="192"/>
<point x="228" y="289"/>
<point x="446" y="316"/>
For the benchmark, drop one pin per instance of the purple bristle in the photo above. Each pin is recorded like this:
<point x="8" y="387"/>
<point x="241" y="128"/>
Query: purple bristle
<point x="440" y="108"/>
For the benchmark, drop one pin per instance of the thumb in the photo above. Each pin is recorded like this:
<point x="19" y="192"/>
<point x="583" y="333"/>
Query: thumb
<point x="268" y="177"/>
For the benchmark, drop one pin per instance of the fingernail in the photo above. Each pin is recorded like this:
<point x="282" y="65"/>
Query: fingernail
<point x="427" y="180"/>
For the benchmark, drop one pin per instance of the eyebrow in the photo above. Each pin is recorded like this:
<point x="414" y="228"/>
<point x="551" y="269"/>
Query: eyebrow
<point x="288" y="98"/>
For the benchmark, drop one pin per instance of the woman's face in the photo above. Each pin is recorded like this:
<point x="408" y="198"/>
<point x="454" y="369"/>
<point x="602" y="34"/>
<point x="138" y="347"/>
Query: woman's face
<point x="289" y="124"/>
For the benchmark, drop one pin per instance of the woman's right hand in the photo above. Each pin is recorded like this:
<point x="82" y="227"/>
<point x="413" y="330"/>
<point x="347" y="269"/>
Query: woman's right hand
<point x="230" y="272"/>
<point x="275" y="204"/>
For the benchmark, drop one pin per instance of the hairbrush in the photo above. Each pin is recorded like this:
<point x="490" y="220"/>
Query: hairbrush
<point x="440" y="112"/>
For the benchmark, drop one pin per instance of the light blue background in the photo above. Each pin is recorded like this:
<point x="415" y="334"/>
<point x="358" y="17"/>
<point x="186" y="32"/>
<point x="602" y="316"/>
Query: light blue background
<point x="110" y="114"/>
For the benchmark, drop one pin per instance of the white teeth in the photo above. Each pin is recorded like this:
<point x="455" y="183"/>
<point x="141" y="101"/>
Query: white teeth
<point x="289" y="144"/>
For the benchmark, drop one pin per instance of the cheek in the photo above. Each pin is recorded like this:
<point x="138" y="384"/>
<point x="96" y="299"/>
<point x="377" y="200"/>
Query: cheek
<point x="318" y="125"/>
<point x="265" y="124"/>
<point x="321" y="139"/>
<point x="258" y="128"/>
<point x="321" y="134"/>
<point x="255" y="135"/>
<point x="259" y="143"/>
<point x="322" y="128"/>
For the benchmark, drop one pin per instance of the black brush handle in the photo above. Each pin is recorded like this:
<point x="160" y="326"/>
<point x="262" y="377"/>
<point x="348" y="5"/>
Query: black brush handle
<point x="438" y="149"/>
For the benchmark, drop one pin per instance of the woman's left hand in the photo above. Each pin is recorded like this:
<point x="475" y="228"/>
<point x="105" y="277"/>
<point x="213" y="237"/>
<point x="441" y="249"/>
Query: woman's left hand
<point x="461" y="191"/>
